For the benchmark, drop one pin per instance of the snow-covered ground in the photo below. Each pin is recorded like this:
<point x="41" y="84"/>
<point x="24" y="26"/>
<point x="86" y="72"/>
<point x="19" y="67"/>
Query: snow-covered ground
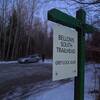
<point x="46" y="61"/>
<point x="66" y="91"/>
<point x="48" y="90"/>
<point x="7" y="62"/>
<point x="11" y="62"/>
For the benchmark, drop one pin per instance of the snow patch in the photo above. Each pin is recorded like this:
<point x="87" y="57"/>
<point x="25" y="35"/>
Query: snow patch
<point x="64" y="92"/>
<point x="7" y="62"/>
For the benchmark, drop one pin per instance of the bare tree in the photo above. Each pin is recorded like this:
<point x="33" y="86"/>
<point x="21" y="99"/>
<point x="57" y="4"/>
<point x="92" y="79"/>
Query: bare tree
<point x="89" y="3"/>
<point x="4" y="6"/>
<point x="31" y="18"/>
<point x="20" y="26"/>
<point x="10" y="33"/>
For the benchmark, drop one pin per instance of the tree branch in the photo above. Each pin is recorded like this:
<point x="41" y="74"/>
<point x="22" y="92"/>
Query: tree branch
<point x="89" y="3"/>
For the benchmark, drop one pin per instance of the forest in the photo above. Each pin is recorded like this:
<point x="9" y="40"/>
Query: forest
<point x="22" y="32"/>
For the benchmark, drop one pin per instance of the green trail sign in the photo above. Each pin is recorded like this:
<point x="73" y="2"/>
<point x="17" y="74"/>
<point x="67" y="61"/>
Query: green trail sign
<point x="81" y="27"/>
<point x="67" y="20"/>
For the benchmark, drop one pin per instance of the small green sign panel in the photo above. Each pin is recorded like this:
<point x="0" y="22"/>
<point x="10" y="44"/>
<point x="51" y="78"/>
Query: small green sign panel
<point x="64" y="52"/>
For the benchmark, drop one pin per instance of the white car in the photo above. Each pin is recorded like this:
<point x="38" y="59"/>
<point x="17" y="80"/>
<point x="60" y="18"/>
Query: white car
<point x="30" y="59"/>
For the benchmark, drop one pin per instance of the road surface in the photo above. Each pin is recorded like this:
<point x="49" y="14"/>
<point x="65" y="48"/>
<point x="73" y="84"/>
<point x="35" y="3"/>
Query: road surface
<point x="14" y="75"/>
<point x="17" y="80"/>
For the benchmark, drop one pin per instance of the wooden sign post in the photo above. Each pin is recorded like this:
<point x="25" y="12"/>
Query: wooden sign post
<point x="79" y="24"/>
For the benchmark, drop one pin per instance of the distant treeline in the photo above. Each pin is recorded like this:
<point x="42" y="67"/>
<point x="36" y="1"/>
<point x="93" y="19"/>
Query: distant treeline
<point x="19" y="38"/>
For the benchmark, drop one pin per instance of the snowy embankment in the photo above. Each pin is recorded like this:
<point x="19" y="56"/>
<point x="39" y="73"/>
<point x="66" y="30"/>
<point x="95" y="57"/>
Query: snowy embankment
<point x="47" y="90"/>
<point x="7" y="62"/>
<point x="11" y="62"/>
<point x="46" y="61"/>
<point x="66" y="91"/>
